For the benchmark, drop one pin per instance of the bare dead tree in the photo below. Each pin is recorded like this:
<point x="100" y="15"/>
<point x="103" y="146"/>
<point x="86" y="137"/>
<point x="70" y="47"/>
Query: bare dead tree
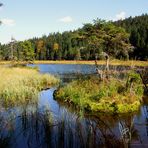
<point x="107" y="60"/>
<point x="99" y="71"/>
<point x="144" y="77"/>
<point x="13" y="41"/>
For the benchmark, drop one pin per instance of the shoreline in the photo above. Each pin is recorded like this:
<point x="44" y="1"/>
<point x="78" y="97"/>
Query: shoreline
<point x="131" y="63"/>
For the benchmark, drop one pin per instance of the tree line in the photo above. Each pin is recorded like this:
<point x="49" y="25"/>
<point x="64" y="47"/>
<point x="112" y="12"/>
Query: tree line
<point x="137" y="27"/>
<point x="127" y="39"/>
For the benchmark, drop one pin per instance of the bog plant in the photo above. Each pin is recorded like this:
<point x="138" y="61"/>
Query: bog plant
<point x="111" y="95"/>
<point x="21" y="85"/>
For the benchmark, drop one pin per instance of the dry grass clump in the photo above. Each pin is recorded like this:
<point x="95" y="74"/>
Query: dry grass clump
<point x="22" y="84"/>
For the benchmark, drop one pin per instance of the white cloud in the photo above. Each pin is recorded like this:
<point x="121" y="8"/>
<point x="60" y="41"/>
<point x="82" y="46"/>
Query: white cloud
<point x="66" y="19"/>
<point x="120" y="16"/>
<point x="8" y="22"/>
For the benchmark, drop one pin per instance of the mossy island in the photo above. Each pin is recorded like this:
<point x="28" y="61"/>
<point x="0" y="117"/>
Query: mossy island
<point x="108" y="96"/>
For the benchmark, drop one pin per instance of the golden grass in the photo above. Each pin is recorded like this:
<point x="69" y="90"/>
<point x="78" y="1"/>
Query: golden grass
<point x="22" y="84"/>
<point x="100" y="62"/>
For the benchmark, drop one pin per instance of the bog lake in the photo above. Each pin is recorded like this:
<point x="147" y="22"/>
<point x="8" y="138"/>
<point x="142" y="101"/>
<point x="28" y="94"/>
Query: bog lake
<point x="49" y="123"/>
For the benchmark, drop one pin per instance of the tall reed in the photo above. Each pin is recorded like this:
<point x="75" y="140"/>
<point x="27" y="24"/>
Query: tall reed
<point x="22" y="84"/>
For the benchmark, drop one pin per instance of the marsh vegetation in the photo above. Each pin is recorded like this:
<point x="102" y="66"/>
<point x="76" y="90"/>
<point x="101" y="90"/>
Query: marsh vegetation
<point x="95" y="105"/>
<point x="36" y="119"/>
<point x="20" y="85"/>
<point x="112" y="95"/>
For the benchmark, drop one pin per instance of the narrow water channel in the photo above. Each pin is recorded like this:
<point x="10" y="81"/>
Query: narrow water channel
<point x="48" y="123"/>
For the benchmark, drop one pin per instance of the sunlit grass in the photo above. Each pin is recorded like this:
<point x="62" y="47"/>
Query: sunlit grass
<point x="100" y="62"/>
<point x="22" y="84"/>
<point x="102" y="96"/>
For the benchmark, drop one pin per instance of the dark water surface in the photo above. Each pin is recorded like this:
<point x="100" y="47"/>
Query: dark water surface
<point x="49" y="123"/>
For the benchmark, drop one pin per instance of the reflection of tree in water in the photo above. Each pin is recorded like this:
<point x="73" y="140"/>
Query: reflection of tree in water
<point x="102" y="132"/>
<point x="132" y="136"/>
<point x="35" y="127"/>
<point x="6" y="129"/>
<point x="39" y="128"/>
<point x="145" y="108"/>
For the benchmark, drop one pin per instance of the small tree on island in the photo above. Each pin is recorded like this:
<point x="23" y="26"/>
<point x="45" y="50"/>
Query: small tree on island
<point x="104" y="38"/>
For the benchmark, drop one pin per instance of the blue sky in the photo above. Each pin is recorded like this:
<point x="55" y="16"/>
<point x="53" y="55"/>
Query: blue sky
<point x="25" y="19"/>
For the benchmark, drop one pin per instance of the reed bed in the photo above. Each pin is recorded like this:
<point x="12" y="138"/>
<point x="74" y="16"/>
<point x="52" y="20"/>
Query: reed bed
<point x="20" y="85"/>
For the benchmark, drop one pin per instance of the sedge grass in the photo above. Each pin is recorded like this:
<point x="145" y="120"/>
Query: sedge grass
<point x="19" y="85"/>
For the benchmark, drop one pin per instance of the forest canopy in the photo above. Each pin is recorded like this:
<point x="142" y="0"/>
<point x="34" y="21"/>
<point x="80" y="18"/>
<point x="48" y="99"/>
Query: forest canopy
<point x="123" y="39"/>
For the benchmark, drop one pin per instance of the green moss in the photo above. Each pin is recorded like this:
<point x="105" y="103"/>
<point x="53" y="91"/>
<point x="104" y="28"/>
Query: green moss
<point x="102" y="96"/>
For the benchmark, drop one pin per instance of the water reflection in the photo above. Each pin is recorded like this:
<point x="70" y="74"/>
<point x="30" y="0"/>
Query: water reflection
<point x="48" y="123"/>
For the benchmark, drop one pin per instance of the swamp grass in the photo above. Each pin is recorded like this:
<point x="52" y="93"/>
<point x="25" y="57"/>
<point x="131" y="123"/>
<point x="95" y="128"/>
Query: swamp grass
<point x="113" y="95"/>
<point x="21" y="85"/>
